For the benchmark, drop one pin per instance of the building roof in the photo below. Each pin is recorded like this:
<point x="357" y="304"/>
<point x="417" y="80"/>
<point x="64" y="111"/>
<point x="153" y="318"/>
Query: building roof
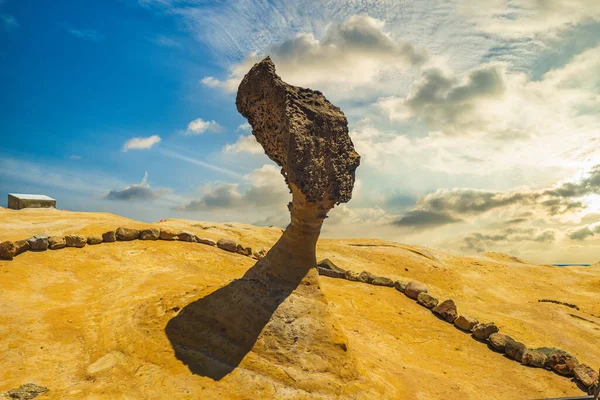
<point x="31" y="196"/>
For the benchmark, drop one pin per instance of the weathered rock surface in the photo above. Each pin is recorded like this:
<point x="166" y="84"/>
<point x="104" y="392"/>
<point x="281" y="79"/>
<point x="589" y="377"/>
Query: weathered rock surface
<point x="7" y="250"/>
<point x="466" y="322"/>
<point x="413" y="289"/>
<point x="109" y="237"/>
<point x="533" y="358"/>
<point x="94" y="239"/>
<point x="483" y="330"/>
<point x="427" y="300"/>
<point x="498" y="341"/>
<point x="331" y="273"/>
<point x="353" y="276"/>
<point x="185" y="236"/>
<point x="514" y="349"/>
<point x="382" y="281"/>
<point x="21" y="246"/>
<point x="127" y="234"/>
<point x="227" y="245"/>
<point x="400" y="286"/>
<point x="586" y="375"/>
<point x="446" y="310"/>
<point x="56" y="242"/>
<point x="328" y="264"/>
<point x="259" y="254"/>
<point x="38" y="242"/>
<point x="75" y="240"/>
<point x="366" y="277"/>
<point x="27" y="391"/>
<point x="559" y="360"/>
<point x="168" y="234"/>
<point x="245" y="251"/>
<point x="206" y="241"/>
<point x="149" y="234"/>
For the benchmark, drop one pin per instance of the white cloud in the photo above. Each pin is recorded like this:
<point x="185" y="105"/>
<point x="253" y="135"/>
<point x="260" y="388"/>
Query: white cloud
<point x="141" y="143"/>
<point x="86" y="34"/>
<point x="166" y="41"/>
<point x="199" y="126"/>
<point x="140" y="191"/>
<point x="244" y="127"/>
<point x="210" y="82"/>
<point x="75" y="157"/>
<point x="244" y="144"/>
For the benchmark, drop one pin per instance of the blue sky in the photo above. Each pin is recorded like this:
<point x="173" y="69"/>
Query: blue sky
<point x="472" y="120"/>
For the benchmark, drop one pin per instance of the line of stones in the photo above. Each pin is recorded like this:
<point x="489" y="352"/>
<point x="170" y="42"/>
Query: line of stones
<point x="550" y="358"/>
<point x="42" y="242"/>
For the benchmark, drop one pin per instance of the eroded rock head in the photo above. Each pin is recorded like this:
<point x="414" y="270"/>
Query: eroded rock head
<point x="302" y="132"/>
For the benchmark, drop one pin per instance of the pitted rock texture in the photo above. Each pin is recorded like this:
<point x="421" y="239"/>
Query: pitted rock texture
<point x="302" y="132"/>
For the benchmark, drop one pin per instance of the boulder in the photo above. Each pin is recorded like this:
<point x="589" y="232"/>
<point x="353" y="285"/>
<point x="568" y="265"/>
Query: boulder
<point x="400" y="286"/>
<point x="127" y="234"/>
<point x="7" y="250"/>
<point x="466" y="322"/>
<point x="413" y="289"/>
<point x="185" y="236"/>
<point x="245" y="251"/>
<point x="109" y="237"/>
<point x="482" y="331"/>
<point x="382" y="281"/>
<point x="208" y="242"/>
<point x="227" y="245"/>
<point x="260" y="254"/>
<point x="586" y="375"/>
<point x="446" y="310"/>
<point x="427" y="300"/>
<point x="38" y="242"/>
<point x="168" y="234"/>
<point x="331" y="273"/>
<point x="75" y="240"/>
<point x="514" y="349"/>
<point x="533" y="358"/>
<point x="366" y="277"/>
<point x="328" y="264"/>
<point x="149" y="234"/>
<point x="56" y="242"/>
<point x="94" y="239"/>
<point x="352" y="276"/>
<point x="559" y="360"/>
<point x="21" y="246"/>
<point x="498" y="341"/>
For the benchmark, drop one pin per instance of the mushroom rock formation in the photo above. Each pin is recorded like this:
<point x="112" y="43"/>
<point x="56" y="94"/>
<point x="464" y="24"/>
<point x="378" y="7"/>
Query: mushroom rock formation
<point x="275" y="320"/>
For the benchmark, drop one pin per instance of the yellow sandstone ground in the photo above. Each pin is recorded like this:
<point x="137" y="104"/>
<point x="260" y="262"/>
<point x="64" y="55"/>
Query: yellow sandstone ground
<point x="90" y="323"/>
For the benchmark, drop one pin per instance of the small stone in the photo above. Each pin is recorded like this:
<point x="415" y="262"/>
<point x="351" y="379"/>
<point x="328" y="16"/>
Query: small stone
<point x="149" y="234"/>
<point x="126" y="234"/>
<point x="168" y="234"/>
<point x="466" y="322"/>
<point x="446" y="310"/>
<point x="498" y="341"/>
<point x="56" y="242"/>
<point x="427" y="300"/>
<point x="109" y="237"/>
<point x="366" y="277"/>
<point x="75" y="240"/>
<point x="21" y="246"/>
<point x="245" y="251"/>
<point x="260" y="254"/>
<point x="382" y="281"/>
<point x="533" y="358"/>
<point x="514" y="349"/>
<point x="94" y="239"/>
<point x="206" y="241"/>
<point x="413" y="289"/>
<point x="185" y="236"/>
<point x="7" y="250"/>
<point x="586" y="375"/>
<point x="352" y="276"/>
<point x="38" y="242"/>
<point x="400" y="286"/>
<point x="331" y="273"/>
<point x="328" y="264"/>
<point x="560" y="361"/>
<point x="482" y="331"/>
<point x="27" y="391"/>
<point x="227" y="245"/>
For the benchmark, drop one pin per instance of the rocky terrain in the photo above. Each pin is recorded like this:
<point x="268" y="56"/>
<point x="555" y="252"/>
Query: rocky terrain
<point x="91" y="322"/>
